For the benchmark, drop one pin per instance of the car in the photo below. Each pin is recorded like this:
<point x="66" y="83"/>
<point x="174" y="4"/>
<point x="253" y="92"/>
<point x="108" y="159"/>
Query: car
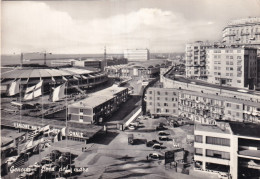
<point x="164" y="138"/>
<point x="131" y="127"/>
<point x="149" y="143"/>
<point x="157" y="146"/>
<point x="163" y="133"/>
<point x="158" y="128"/>
<point x="223" y="175"/>
<point x="154" y="155"/>
<point x="136" y="123"/>
<point x="157" y="142"/>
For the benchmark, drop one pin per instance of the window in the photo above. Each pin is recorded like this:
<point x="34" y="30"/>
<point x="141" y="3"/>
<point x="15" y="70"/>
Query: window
<point x="217" y="141"/>
<point x="80" y="117"/>
<point x="231" y="57"/>
<point x="166" y="99"/>
<point x="158" y="104"/>
<point x="166" y="110"/>
<point x="166" y="93"/>
<point x="229" y="112"/>
<point x="217" y="154"/>
<point x="231" y="68"/>
<point x="158" y="98"/>
<point x="150" y="98"/>
<point x="198" y="151"/>
<point x="150" y="103"/>
<point x="80" y="110"/>
<point x="227" y="74"/>
<point x="172" y="99"/>
<point x="237" y="114"/>
<point x="165" y="104"/>
<point x="238" y="57"/>
<point x="227" y="62"/>
<point x="174" y="93"/>
<point x="231" y="63"/>
<point x="158" y="110"/>
<point x="173" y="104"/>
<point x="227" y="68"/>
<point x="238" y="81"/>
<point x="231" y="74"/>
<point x="227" y="57"/>
<point x="237" y="106"/>
<point x="158" y="93"/>
<point x="150" y="92"/>
<point x="198" y="138"/>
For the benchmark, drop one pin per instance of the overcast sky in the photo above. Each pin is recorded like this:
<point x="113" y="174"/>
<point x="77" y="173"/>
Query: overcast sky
<point x="87" y="26"/>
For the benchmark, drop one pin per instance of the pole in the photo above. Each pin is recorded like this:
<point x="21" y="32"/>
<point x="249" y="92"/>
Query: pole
<point x="44" y="58"/>
<point x="21" y="60"/>
<point x="66" y="103"/>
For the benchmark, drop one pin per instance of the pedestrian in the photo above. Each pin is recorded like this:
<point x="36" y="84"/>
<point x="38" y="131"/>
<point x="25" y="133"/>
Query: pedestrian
<point x="147" y="157"/>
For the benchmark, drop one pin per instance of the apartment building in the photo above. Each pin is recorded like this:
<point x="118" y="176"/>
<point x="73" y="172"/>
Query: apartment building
<point x="137" y="54"/>
<point x="97" y="106"/>
<point x="196" y="60"/>
<point x="200" y="107"/>
<point x="236" y="67"/>
<point x="229" y="148"/>
<point x="244" y="31"/>
<point x="162" y="102"/>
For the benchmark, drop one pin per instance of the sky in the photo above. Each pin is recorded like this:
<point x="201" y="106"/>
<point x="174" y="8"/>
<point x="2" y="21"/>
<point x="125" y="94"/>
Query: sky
<point x="80" y="27"/>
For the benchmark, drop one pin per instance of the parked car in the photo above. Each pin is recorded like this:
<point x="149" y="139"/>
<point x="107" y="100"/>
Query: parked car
<point x="223" y="175"/>
<point x="157" y="146"/>
<point x="136" y="123"/>
<point x="163" y="133"/>
<point x="152" y="142"/>
<point x="158" y="128"/>
<point x="164" y="138"/>
<point x="131" y="127"/>
<point x="154" y="155"/>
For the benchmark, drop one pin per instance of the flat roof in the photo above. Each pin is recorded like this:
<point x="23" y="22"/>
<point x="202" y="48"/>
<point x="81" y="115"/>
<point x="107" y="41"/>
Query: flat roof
<point x="202" y="83"/>
<point x="211" y="128"/>
<point x="99" y="97"/>
<point x="88" y="129"/>
<point x="7" y="135"/>
<point x="245" y="129"/>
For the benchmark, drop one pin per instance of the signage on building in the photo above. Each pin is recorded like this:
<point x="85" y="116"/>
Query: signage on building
<point x="26" y="126"/>
<point x="76" y="134"/>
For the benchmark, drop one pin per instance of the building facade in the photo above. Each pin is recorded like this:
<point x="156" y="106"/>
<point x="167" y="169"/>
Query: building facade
<point x="91" y="63"/>
<point x="200" y="107"/>
<point x="196" y="60"/>
<point x="98" y="106"/>
<point x="137" y="54"/>
<point x="244" y="31"/>
<point x="236" y="67"/>
<point x="162" y="102"/>
<point x="228" y="148"/>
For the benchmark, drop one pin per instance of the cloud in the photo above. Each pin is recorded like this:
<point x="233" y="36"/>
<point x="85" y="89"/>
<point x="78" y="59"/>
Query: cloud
<point x="34" y="26"/>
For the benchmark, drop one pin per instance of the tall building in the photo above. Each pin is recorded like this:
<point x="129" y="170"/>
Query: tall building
<point x="228" y="148"/>
<point x="244" y="31"/>
<point x="196" y="60"/>
<point x="137" y="54"/>
<point x="236" y="67"/>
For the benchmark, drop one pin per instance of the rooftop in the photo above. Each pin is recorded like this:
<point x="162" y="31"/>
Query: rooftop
<point x="245" y="129"/>
<point x="212" y="128"/>
<point x="99" y="97"/>
<point x="8" y="135"/>
<point x="202" y="83"/>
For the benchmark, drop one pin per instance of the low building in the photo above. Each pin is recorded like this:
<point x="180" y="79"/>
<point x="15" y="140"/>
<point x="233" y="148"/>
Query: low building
<point x="232" y="148"/>
<point x="137" y="54"/>
<point x="236" y="67"/>
<point x="98" y="106"/>
<point x="90" y="63"/>
<point x="62" y="62"/>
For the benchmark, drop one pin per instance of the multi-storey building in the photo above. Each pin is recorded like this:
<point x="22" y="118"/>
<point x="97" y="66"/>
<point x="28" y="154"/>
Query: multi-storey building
<point x="196" y="60"/>
<point x="200" y="107"/>
<point x="236" y="67"/>
<point x="162" y="101"/>
<point x="243" y="32"/>
<point x="227" y="147"/>
<point x="137" y="54"/>
<point x="98" y="106"/>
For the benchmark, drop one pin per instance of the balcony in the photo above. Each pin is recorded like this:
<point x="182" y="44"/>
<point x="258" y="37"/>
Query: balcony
<point x="244" y="34"/>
